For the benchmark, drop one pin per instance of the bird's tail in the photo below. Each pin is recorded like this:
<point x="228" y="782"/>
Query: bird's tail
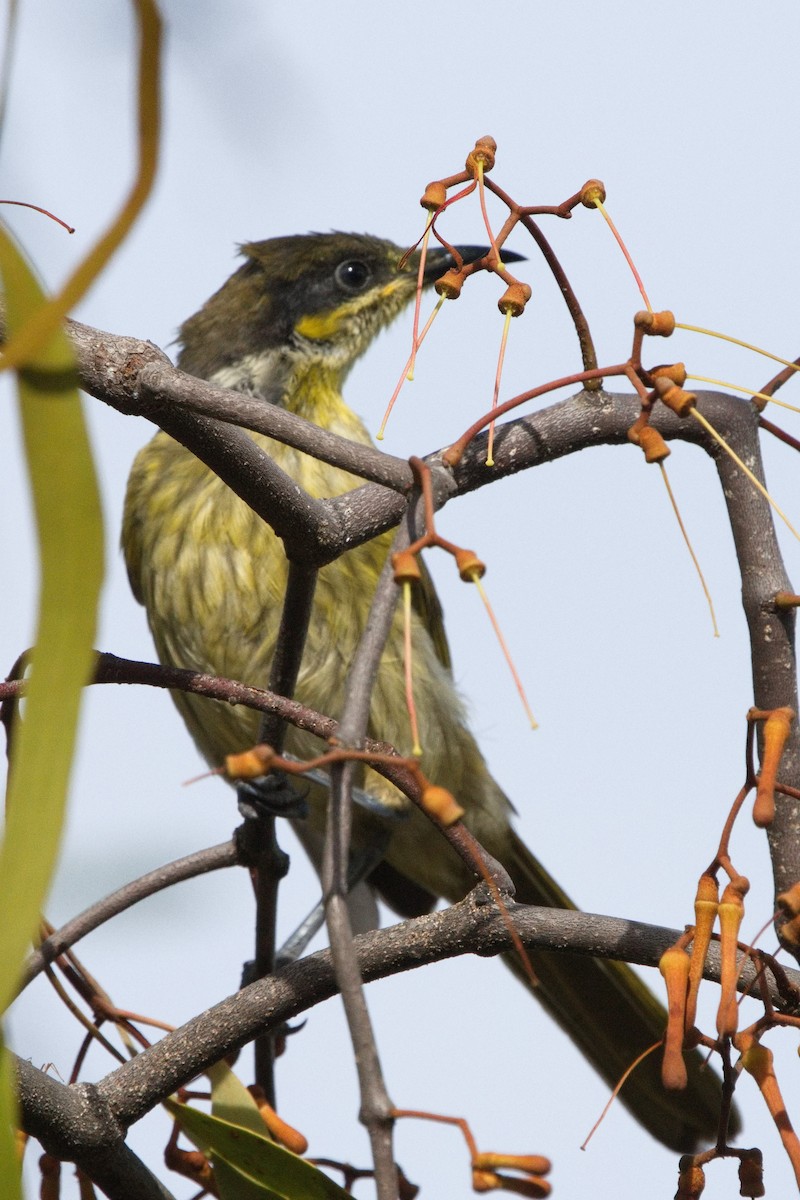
<point x="613" y="1017"/>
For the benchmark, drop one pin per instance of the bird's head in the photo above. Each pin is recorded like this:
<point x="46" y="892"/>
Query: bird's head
<point x="321" y="296"/>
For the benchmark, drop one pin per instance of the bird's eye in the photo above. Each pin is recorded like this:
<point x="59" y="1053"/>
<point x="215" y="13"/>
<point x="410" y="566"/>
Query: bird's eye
<point x="353" y="275"/>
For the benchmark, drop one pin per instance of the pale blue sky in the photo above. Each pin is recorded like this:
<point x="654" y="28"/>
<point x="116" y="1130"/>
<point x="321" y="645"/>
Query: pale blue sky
<point x="282" y="118"/>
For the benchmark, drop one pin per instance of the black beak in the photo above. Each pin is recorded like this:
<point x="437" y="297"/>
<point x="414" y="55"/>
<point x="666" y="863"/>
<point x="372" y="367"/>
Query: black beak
<point x="439" y="260"/>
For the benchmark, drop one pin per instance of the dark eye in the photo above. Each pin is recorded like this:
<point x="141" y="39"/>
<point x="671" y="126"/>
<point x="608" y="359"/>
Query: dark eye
<point x="352" y="275"/>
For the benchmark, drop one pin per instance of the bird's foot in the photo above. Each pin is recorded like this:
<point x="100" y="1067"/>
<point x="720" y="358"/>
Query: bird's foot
<point x="272" y="796"/>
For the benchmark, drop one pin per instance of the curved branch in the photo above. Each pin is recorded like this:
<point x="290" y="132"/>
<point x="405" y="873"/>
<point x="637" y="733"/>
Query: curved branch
<point x="771" y="627"/>
<point x="163" y="386"/>
<point x="226" y="854"/>
<point x="474" y="926"/>
<point x="76" y="1125"/>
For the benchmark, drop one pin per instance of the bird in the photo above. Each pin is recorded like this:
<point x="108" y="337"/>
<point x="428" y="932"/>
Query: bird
<point x="288" y="326"/>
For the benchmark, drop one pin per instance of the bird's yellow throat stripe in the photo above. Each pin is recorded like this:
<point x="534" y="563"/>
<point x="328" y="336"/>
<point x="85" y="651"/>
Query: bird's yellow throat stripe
<point x="321" y="327"/>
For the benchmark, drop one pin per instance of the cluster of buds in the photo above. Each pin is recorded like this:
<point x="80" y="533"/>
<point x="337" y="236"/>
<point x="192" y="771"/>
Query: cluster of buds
<point x="488" y="1174"/>
<point x="434" y="200"/>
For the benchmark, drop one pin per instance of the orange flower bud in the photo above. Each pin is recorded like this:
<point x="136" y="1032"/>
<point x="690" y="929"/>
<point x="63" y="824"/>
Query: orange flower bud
<point x="282" y="1132"/>
<point x="757" y="1061"/>
<point x="691" y="1179"/>
<point x="674" y="966"/>
<point x="441" y="804"/>
<point x="406" y="567"/>
<point x="489" y="1181"/>
<point x="592" y="191"/>
<point x="531" y="1164"/>
<point x="751" y="1174"/>
<point x="469" y="565"/>
<point x="731" y="912"/>
<point x="514" y="299"/>
<point x="676" y="372"/>
<point x="657" y="324"/>
<point x="483" y="152"/>
<point x="434" y="196"/>
<point x="706" y="905"/>
<point x="777" y="728"/>
<point x="250" y="764"/>
<point x="653" y="444"/>
<point x="676" y="398"/>
<point x="192" y="1164"/>
<point x="450" y="284"/>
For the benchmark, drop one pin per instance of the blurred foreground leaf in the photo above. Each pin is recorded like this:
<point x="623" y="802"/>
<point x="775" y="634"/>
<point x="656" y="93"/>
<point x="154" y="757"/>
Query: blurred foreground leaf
<point x="70" y="534"/>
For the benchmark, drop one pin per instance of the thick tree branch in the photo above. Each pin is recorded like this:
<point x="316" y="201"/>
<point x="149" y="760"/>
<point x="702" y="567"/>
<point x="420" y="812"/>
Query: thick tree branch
<point x="474" y="926"/>
<point x="83" y="1123"/>
<point x="76" y="1125"/>
<point x="772" y="628"/>
<point x="166" y="387"/>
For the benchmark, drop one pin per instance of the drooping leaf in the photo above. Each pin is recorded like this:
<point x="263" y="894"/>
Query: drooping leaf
<point x="263" y="1169"/>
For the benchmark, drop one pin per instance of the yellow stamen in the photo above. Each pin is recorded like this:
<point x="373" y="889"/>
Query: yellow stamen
<point x="689" y="547"/>
<point x="725" y="337"/>
<point x="755" y="482"/>
<point x="423" y="254"/>
<point x="404" y="374"/>
<point x="496" y="393"/>
<point x="476" y="579"/>
<point x="602" y="209"/>
<point x="738" y="387"/>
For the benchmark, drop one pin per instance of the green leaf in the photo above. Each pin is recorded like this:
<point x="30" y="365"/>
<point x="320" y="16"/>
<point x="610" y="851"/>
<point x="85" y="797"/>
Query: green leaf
<point x="261" y="1169"/>
<point x="69" y="526"/>
<point x="231" y="1101"/>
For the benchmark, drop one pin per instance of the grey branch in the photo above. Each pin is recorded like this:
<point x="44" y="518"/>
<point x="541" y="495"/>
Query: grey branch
<point x="474" y="926"/>
<point x="189" y="867"/>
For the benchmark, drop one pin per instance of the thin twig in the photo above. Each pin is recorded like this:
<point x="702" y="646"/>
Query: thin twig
<point x="271" y="864"/>
<point x="97" y="914"/>
<point x="376" y="1106"/>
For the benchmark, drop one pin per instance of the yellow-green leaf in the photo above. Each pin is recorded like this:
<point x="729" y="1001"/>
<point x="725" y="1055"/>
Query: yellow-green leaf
<point x="231" y="1101"/>
<point x="69" y="527"/>
<point x="263" y="1170"/>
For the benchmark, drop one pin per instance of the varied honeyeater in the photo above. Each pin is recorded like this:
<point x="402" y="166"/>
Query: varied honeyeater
<point x="288" y="326"/>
